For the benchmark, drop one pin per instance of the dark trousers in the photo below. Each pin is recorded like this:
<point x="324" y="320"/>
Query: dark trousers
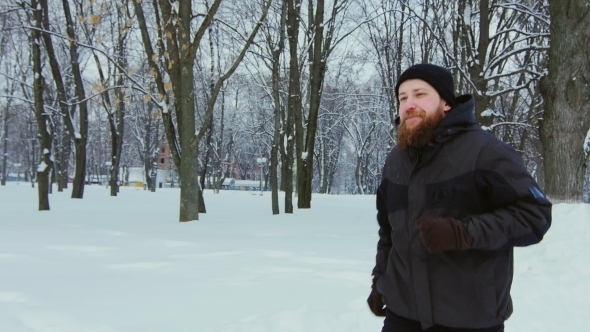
<point x="395" y="323"/>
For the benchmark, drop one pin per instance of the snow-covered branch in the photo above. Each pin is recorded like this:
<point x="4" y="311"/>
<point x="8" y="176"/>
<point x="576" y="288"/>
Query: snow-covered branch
<point x="503" y="91"/>
<point x="499" y="124"/>
<point x="519" y="7"/>
<point x="503" y="56"/>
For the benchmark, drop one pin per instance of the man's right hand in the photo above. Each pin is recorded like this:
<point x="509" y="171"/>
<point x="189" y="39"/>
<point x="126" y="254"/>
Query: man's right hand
<point x="376" y="302"/>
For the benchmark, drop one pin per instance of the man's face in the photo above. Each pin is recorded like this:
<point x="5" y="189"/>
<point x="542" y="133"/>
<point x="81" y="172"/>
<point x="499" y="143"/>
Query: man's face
<point x="421" y="110"/>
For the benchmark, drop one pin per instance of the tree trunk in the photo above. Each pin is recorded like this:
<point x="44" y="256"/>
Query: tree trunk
<point x="80" y="137"/>
<point x="586" y="190"/>
<point x="206" y="161"/>
<point x="278" y="111"/>
<point x="150" y="148"/>
<point x="116" y="144"/>
<point x="152" y="162"/>
<point x="293" y="103"/>
<point x="188" y="168"/>
<point x="358" y="175"/>
<point x="44" y="168"/>
<point x="149" y="171"/>
<point x="4" y="142"/>
<point x="63" y="156"/>
<point x="566" y="90"/>
<point x="476" y="67"/>
<point x="218" y="174"/>
<point x="117" y="125"/>
<point x="184" y="82"/>
<point x="283" y="150"/>
<point x="305" y="153"/>
<point x="33" y="165"/>
<point x="324" y="166"/>
<point x="274" y="169"/>
<point x="80" y="169"/>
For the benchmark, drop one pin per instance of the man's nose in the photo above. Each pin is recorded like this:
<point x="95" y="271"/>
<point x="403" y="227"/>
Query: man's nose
<point x="409" y="104"/>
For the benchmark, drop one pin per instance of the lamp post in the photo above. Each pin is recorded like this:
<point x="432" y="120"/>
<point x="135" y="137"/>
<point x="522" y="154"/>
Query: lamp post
<point x="261" y="162"/>
<point x="108" y="164"/>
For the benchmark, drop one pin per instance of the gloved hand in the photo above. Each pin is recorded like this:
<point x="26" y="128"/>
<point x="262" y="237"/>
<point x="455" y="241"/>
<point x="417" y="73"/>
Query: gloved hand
<point x="443" y="234"/>
<point x="376" y="302"/>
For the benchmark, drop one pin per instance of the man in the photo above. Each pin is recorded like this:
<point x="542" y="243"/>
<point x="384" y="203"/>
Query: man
<point x="452" y="204"/>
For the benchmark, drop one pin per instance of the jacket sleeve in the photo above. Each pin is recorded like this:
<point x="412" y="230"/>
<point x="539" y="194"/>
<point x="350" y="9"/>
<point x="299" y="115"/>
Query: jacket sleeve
<point x="518" y="214"/>
<point x="384" y="243"/>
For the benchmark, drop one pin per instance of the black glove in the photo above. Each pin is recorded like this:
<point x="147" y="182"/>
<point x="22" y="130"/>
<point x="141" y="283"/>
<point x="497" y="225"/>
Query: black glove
<point x="376" y="302"/>
<point x="442" y="234"/>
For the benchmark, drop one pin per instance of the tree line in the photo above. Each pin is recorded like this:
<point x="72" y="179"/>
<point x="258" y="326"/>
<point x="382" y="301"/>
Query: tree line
<point x="94" y="86"/>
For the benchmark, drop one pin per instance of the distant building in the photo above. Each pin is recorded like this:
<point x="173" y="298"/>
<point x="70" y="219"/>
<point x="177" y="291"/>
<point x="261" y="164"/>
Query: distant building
<point x="164" y="156"/>
<point x="135" y="176"/>
<point x="166" y="175"/>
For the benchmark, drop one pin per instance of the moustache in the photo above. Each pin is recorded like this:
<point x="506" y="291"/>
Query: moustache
<point x="419" y="113"/>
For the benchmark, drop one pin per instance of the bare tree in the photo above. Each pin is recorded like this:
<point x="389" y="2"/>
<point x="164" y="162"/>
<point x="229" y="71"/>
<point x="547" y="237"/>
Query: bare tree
<point x="321" y="44"/>
<point x="294" y="100"/>
<point x="386" y="36"/>
<point x="362" y="140"/>
<point x="40" y="113"/>
<point x="13" y="61"/>
<point x="319" y="50"/>
<point x="144" y="121"/>
<point x="115" y="103"/>
<point x="6" y="114"/>
<point x="270" y="54"/>
<point x="277" y="46"/>
<point x="80" y="134"/>
<point x="178" y="46"/>
<point x="80" y="103"/>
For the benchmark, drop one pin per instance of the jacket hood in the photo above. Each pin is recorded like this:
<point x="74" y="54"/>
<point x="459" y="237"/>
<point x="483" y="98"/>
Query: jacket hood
<point x="460" y="115"/>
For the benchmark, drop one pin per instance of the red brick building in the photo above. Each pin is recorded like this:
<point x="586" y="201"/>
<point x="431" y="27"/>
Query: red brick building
<point x="164" y="157"/>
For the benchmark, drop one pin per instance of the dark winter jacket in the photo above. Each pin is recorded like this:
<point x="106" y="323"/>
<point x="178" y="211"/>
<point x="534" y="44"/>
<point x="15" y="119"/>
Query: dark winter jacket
<point x="470" y="175"/>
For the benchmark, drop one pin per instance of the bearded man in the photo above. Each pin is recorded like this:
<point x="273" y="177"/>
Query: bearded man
<point x="452" y="204"/>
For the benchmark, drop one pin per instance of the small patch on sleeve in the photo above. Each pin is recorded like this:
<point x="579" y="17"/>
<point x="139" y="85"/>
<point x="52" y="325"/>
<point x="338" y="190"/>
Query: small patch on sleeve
<point x="537" y="193"/>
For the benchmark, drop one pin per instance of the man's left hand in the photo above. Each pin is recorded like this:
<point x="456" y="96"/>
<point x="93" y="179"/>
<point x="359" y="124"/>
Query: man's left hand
<point x="443" y="234"/>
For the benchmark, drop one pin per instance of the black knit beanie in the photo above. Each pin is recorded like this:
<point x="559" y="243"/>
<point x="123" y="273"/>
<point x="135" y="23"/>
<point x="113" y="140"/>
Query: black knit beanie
<point x="438" y="77"/>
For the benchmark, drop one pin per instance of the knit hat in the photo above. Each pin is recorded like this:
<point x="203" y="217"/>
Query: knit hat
<point x="438" y="77"/>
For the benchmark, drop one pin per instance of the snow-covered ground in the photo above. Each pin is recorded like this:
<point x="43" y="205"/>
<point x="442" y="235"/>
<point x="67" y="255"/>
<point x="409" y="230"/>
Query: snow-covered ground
<point x="126" y="264"/>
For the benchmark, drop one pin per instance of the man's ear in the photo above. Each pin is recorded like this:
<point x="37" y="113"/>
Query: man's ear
<point x="447" y="107"/>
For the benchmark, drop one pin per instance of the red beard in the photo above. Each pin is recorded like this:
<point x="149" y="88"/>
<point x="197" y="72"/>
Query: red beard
<point x="421" y="134"/>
